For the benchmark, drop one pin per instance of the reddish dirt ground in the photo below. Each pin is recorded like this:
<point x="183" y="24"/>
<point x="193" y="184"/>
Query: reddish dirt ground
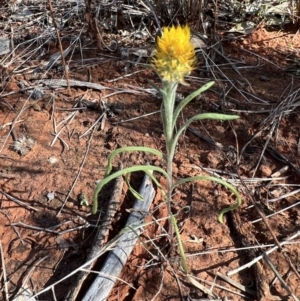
<point x="267" y="74"/>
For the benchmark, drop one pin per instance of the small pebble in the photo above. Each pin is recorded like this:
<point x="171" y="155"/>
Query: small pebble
<point x="50" y="195"/>
<point x="52" y="160"/>
<point x="37" y="107"/>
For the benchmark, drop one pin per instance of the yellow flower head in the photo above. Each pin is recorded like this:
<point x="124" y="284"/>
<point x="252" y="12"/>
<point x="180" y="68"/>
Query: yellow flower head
<point x="175" y="54"/>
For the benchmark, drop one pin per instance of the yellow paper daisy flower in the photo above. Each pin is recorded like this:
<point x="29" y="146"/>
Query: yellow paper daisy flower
<point x="175" y="55"/>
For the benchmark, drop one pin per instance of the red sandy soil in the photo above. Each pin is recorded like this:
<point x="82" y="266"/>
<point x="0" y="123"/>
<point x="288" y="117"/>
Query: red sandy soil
<point x="31" y="177"/>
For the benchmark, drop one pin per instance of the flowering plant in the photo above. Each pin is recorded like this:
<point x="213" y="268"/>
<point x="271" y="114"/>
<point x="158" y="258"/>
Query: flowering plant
<point x="174" y="59"/>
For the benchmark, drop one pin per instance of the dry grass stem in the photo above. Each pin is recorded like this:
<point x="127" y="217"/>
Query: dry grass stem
<point x="60" y="46"/>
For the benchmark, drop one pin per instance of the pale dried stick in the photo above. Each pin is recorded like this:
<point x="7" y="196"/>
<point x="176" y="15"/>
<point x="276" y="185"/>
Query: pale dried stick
<point x="93" y="126"/>
<point x="14" y="228"/>
<point x="49" y="230"/>
<point x="221" y="250"/>
<point x="24" y="287"/>
<point x="161" y="283"/>
<point x="66" y="121"/>
<point x="14" y="122"/>
<point x="5" y="281"/>
<point x="262" y="58"/>
<point x="243" y="288"/>
<point x="60" y="46"/>
<point x="79" y="172"/>
<point x="249" y="264"/>
<point x="53" y="293"/>
<point x="63" y="142"/>
<point x="27" y="51"/>
<point x="109" y="246"/>
<point x="218" y="286"/>
<point x="135" y="118"/>
<point x="9" y="124"/>
<point x="269" y="136"/>
<point x="87" y="225"/>
<point x="124" y="76"/>
<point x="119" y="92"/>
<point x="283" y="283"/>
<point x="282" y="210"/>
<point x="21" y="224"/>
<point x="207" y="58"/>
<point x="12" y="43"/>
<point x="283" y="196"/>
<point x="18" y="201"/>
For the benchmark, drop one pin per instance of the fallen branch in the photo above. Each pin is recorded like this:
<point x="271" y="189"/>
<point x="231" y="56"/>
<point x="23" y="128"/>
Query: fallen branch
<point x="77" y="83"/>
<point x="117" y="258"/>
<point x="104" y="226"/>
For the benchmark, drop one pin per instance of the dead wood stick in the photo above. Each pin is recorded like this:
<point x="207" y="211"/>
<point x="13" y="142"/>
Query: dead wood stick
<point x="22" y="204"/>
<point x="102" y="233"/>
<point x="250" y="263"/>
<point x="117" y="258"/>
<point x="4" y="275"/>
<point x="72" y="83"/>
<point x="8" y="176"/>
<point x="243" y="288"/>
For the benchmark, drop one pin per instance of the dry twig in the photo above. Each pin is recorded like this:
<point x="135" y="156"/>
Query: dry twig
<point x="60" y="46"/>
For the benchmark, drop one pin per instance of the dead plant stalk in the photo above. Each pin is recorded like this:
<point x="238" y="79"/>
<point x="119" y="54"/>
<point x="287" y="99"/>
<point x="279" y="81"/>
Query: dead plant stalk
<point x="60" y="46"/>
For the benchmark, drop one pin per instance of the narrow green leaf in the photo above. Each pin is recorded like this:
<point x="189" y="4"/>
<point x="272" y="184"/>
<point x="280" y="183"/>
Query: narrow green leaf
<point x="164" y="194"/>
<point x="118" y="173"/>
<point x="133" y="191"/>
<point x="180" y="245"/>
<point x="161" y="91"/>
<point x="214" y="179"/>
<point x="131" y="149"/>
<point x="188" y="99"/>
<point x="214" y="116"/>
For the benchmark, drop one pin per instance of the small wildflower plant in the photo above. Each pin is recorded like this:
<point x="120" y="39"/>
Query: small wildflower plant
<point x="174" y="59"/>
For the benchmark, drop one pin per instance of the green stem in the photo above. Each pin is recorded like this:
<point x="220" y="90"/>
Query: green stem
<point x="167" y="116"/>
<point x="168" y="105"/>
<point x="180" y="245"/>
<point x="169" y="187"/>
